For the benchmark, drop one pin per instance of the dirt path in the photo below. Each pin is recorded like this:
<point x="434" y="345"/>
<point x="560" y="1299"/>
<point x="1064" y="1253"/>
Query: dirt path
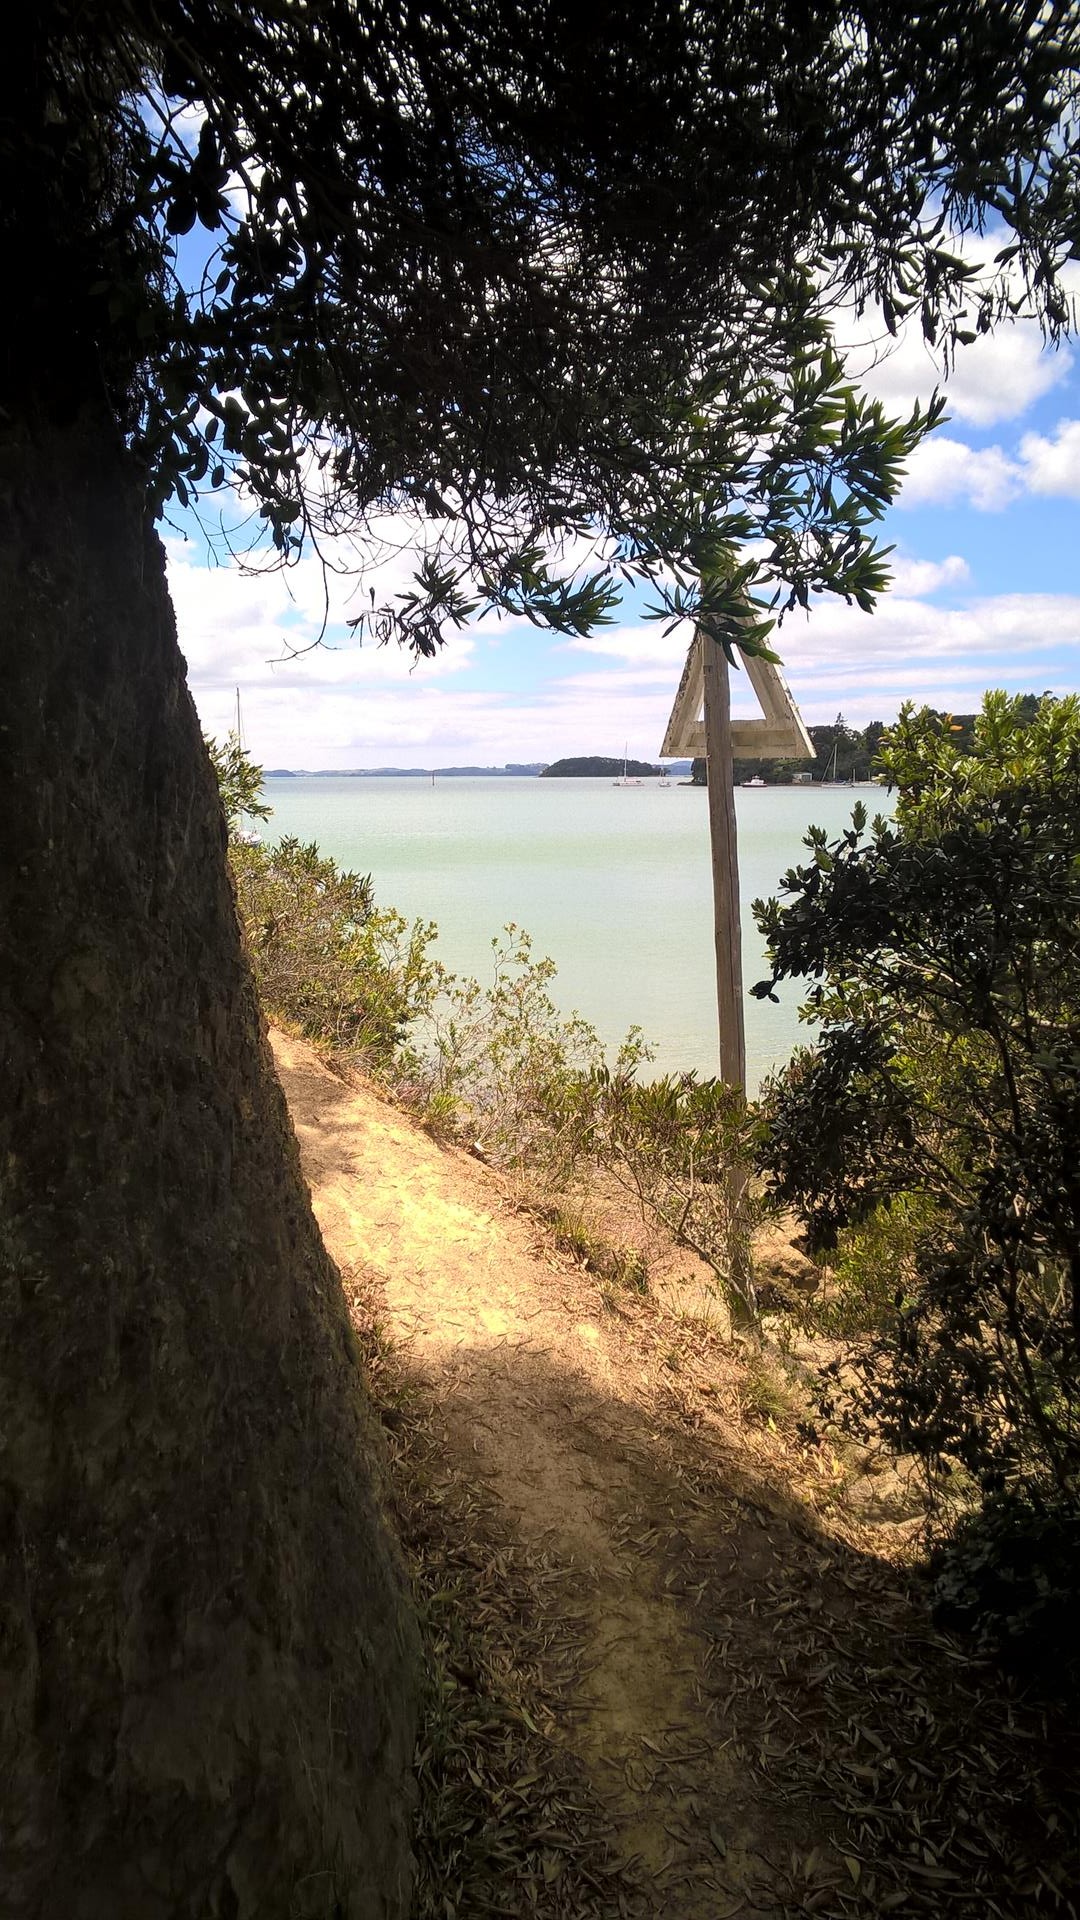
<point x="745" y="1696"/>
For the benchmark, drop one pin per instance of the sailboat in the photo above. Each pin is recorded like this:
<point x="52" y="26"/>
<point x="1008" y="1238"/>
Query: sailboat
<point x="627" y="779"/>
<point x="246" y="830"/>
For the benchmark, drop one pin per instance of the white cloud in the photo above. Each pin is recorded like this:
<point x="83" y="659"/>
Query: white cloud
<point x="348" y="706"/>
<point x="927" y="576"/>
<point x="639" y="646"/>
<point x="1053" y="465"/>
<point x="945" y="472"/>
<point x="837" y="659"/>
<point x="1002" y="374"/>
<point x="840" y="638"/>
<point x="258" y="631"/>
<point x="944" y="656"/>
<point x="996" y="377"/>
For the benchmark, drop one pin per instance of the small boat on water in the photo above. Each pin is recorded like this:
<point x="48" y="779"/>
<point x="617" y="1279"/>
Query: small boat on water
<point x="756" y="781"/>
<point x="627" y="779"/>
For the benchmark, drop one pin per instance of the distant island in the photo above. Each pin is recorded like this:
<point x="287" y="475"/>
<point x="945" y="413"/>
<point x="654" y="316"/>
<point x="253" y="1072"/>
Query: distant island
<point x="595" y="767"/>
<point x="402" y="773"/>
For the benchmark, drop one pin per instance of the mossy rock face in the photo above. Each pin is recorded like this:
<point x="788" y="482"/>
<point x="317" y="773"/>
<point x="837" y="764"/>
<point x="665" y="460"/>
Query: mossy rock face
<point x="208" y="1657"/>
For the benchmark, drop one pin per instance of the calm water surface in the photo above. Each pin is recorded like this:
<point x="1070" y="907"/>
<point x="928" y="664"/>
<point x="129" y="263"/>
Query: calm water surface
<point x="613" y="883"/>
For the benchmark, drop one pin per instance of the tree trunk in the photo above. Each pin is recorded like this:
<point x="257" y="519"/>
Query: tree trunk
<point x="208" y="1665"/>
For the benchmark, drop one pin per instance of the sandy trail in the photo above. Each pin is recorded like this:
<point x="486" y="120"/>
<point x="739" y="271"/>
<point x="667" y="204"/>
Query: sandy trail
<point x="549" y="1398"/>
<point x="748" y="1695"/>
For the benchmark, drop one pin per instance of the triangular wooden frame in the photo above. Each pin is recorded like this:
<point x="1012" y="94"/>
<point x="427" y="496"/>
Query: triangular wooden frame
<point x="778" y="735"/>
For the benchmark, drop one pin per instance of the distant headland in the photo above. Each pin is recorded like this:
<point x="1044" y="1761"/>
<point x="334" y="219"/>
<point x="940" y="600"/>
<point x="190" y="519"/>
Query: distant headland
<point x="591" y="767"/>
<point x="596" y="767"/>
<point x="401" y="773"/>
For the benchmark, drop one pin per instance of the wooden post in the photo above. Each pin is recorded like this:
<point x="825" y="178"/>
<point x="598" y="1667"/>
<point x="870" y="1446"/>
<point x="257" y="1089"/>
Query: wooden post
<point x="725" y="861"/>
<point x="779" y="734"/>
<point x="727" y="929"/>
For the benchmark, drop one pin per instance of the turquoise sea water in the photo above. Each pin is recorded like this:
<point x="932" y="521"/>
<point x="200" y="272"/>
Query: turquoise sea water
<point x="613" y="883"/>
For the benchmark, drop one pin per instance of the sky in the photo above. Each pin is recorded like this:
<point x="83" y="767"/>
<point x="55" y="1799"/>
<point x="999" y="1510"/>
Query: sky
<point x="986" y="594"/>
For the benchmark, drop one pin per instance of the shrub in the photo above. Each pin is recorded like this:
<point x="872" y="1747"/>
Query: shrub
<point x="239" y="783"/>
<point x="534" y="1088"/>
<point x="506" y="1064"/>
<point x="873" y="1270"/>
<point x="327" y="960"/>
<point x="944" y="952"/>
<point x="1010" y="1574"/>
<point x="681" y="1146"/>
<point x="620" y="1266"/>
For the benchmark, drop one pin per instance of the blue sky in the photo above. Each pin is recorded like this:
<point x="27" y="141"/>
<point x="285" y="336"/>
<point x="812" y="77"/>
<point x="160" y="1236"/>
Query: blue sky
<point x="987" y="593"/>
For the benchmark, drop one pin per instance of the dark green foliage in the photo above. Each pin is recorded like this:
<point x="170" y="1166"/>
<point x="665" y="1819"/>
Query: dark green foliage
<point x="327" y="961"/>
<point x="1011" y="1575"/>
<point x="524" y="275"/>
<point x="239" y="782"/>
<point x="841" y="753"/>
<point x="848" y="755"/>
<point x="697" y="1130"/>
<point x="936" y="1124"/>
<point x="945" y="952"/>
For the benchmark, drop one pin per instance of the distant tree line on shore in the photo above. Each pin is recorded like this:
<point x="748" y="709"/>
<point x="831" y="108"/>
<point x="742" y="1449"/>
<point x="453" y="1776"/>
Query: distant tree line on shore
<point x="844" y="753"/>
